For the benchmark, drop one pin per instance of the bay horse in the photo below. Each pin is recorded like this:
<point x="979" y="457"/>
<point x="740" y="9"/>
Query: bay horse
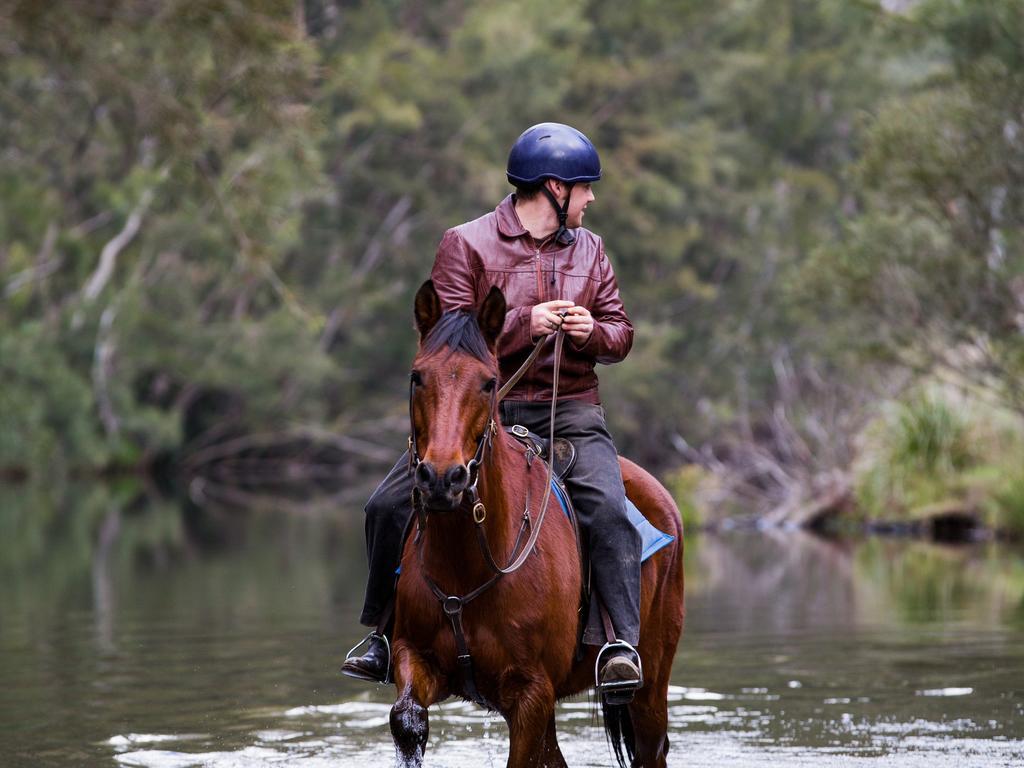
<point x="473" y="484"/>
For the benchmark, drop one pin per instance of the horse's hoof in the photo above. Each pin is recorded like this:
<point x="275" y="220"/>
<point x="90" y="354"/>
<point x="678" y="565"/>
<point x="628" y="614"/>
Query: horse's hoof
<point x="372" y="665"/>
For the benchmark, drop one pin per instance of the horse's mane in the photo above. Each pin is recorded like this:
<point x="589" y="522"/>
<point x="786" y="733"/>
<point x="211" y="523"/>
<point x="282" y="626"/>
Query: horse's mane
<point x="459" y="331"/>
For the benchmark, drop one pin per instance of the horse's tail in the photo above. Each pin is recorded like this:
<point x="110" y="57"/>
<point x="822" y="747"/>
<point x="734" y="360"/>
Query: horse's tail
<point x="618" y="728"/>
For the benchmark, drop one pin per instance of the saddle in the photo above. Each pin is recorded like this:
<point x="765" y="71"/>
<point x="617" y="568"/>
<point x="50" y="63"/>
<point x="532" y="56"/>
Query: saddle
<point x="563" y="456"/>
<point x="651" y="539"/>
<point x="593" y="624"/>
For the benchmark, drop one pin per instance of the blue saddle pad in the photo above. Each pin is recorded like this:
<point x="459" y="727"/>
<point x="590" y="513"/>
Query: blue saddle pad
<point x="651" y="539"/>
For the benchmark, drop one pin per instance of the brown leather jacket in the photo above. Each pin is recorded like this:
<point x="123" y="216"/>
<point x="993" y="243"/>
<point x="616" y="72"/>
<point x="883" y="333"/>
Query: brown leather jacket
<point x="496" y="250"/>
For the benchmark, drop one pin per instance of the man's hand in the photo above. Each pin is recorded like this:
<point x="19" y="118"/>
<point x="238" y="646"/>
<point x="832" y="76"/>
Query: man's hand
<point x="578" y="325"/>
<point x="546" y="318"/>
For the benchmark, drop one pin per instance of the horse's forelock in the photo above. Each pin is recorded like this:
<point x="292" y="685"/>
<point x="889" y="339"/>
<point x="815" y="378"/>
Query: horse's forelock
<point x="459" y="331"/>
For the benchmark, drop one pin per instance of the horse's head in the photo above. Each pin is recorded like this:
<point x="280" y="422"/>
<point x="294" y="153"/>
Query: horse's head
<point x="453" y="394"/>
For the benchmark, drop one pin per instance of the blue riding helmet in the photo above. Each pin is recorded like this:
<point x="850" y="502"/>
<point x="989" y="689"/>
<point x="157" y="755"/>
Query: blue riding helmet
<point x="552" y="150"/>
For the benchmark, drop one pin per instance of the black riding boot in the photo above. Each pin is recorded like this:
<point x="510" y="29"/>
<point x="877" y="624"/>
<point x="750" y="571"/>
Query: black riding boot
<point x="374" y="664"/>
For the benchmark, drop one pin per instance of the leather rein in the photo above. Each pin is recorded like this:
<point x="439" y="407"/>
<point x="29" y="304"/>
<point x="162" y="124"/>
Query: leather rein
<point x="453" y="605"/>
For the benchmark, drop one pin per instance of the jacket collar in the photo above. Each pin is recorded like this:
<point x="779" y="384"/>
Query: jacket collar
<point x="508" y="220"/>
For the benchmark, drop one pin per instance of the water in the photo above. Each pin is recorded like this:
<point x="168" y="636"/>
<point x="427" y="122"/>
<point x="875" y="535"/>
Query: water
<point x="136" y="634"/>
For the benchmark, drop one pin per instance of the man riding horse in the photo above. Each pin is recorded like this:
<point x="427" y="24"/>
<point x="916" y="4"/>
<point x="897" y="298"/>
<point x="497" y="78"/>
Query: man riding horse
<point x="554" y="274"/>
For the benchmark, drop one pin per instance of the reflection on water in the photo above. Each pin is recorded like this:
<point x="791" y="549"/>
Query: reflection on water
<point x="785" y="581"/>
<point x="133" y="633"/>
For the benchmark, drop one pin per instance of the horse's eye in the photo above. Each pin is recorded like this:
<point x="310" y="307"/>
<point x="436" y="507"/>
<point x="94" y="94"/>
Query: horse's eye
<point x="416" y="378"/>
<point x="490" y="385"/>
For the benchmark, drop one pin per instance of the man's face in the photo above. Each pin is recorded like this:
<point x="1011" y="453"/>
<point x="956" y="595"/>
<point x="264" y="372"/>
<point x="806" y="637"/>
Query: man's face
<point x="582" y="196"/>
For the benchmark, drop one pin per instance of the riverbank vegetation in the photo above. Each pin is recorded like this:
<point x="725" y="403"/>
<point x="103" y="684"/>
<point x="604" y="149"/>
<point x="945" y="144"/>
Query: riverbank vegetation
<point x="214" y="216"/>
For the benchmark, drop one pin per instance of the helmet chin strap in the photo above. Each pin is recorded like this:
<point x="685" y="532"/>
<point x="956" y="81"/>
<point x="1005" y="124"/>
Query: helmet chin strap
<point x="563" y="236"/>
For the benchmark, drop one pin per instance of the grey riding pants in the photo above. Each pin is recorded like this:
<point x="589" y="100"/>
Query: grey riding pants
<point x="595" y="485"/>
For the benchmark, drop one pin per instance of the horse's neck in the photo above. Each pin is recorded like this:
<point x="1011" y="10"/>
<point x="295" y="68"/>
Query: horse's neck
<point x="452" y="543"/>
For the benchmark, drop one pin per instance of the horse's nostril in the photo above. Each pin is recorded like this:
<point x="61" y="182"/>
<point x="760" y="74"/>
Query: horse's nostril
<point x="425" y="474"/>
<point x="457" y="476"/>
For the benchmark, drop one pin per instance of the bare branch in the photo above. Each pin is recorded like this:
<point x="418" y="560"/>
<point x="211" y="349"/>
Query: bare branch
<point x="375" y="248"/>
<point x="31" y="275"/>
<point x="101" y="367"/>
<point x="91" y="224"/>
<point x="203" y="491"/>
<point x="108" y="257"/>
<point x="45" y="264"/>
<point x="233" y="447"/>
<point x="334" y="322"/>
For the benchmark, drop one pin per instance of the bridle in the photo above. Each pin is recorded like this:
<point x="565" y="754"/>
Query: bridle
<point x="453" y="605"/>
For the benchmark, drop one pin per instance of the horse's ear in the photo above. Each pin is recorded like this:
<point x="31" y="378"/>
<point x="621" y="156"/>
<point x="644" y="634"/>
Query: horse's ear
<point x="492" y="315"/>
<point x="427" y="309"/>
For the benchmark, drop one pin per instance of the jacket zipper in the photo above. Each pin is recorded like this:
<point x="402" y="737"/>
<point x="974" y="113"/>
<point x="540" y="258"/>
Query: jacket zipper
<point x="540" y="276"/>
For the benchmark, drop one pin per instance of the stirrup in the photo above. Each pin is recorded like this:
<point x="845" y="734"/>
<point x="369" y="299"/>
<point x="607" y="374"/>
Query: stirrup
<point x="617" y="691"/>
<point x="374" y="634"/>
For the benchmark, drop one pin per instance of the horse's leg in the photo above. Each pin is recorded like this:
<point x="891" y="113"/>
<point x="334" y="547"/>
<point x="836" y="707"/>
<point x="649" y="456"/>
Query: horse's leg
<point x="649" y="714"/>
<point x="552" y="755"/>
<point x="418" y="688"/>
<point x="529" y="713"/>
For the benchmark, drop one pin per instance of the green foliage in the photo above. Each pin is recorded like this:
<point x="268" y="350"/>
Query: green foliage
<point x="159" y="167"/>
<point x="914" y="457"/>
<point x="928" y="273"/>
<point x="684" y="484"/>
<point x="930" y="436"/>
<point x="47" y="416"/>
<point x="940" y="450"/>
<point x="1010" y="500"/>
<point x="244" y="197"/>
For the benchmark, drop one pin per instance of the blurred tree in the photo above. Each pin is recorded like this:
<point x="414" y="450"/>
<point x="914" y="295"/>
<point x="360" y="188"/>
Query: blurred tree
<point x="214" y="202"/>
<point x="156" y="159"/>
<point x="931" y="273"/>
